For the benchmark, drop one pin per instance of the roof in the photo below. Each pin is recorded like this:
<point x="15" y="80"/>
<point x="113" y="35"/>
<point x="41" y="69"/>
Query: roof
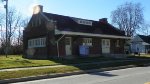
<point x="67" y="23"/>
<point x="145" y="38"/>
<point x="90" y="34"/>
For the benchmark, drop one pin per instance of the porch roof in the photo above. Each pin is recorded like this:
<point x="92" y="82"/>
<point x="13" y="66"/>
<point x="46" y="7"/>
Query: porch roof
<point x="57" y="32"/>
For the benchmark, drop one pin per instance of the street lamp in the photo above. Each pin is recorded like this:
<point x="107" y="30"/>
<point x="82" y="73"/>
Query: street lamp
<point x="6" y="7"/>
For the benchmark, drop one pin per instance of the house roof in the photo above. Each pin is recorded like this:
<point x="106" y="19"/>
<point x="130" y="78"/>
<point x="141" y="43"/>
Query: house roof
<point x="145" y="38"/>
<point x="67" y="23"/>
<point x="90" y="34"/>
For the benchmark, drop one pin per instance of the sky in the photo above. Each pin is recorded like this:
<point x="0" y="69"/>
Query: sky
<point x="86" y="9"/>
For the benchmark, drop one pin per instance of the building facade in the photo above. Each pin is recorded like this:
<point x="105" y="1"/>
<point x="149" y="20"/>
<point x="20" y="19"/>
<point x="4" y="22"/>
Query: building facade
<point x="50" y="35"/>
<point x="141" y="44"/>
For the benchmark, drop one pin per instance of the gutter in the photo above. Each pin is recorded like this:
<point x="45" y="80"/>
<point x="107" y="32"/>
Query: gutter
<point x="91" y="34"/>
<point x="57" y="42"/>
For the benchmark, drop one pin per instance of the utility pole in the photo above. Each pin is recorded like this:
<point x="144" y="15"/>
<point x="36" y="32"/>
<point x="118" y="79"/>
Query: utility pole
<point x="6" y="7"/>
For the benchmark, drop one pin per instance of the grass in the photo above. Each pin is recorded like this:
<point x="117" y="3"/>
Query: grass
<point x="47" y="71"/>
<point x="147" y="55"/>
<point x="26" y="73"/>
<point x="142" y="56"/>
<point x="14" y="61"/>
<point x="17" y="61"/>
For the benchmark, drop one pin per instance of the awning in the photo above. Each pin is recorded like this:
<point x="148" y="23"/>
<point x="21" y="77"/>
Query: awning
<point x="57" y="32"/>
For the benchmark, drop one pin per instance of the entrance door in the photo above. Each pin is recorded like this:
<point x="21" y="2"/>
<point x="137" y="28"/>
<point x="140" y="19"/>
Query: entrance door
<point x="105" y="46"/>
<point x="68" y="46"/>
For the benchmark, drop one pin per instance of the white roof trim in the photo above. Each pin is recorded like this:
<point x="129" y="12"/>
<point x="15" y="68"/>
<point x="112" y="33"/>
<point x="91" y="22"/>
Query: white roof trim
<point x="89" y="34"/>
<point x="144" y="43"/>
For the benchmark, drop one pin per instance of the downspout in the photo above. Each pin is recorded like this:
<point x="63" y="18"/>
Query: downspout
<point x="57" y="42"/>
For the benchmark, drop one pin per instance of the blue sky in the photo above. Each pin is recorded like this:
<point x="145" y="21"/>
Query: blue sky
<point x="87" y="9"/>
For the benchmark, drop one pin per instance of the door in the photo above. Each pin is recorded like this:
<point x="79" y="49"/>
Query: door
<point x="105" y="46"/>
<point x="68" y="46"/>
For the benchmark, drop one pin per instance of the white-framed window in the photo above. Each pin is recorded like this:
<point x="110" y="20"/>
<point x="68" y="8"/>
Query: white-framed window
<point x="117" y="43"/>
<point x="103" y="42"/>
<point x="43" y="42"/>
<point x="87" y="41"/>
<point x="38" y="42"/>
<point x="29" y="43"/>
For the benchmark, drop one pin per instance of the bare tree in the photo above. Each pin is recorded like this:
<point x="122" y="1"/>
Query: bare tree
<point x="14" y="23"/>
<point x="1" y="18"/>
<point x="1" y="23"/>
<point x="17" y="43"/>
<point x="23" y="24"/>
<point x="146" y="29"/>
<point x="2" y="33"/>
<point x="14" y="19"/>
<point x="128" y="17"/>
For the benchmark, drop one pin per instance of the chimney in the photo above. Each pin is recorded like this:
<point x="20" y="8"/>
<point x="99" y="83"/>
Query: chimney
<point x="37" y="9"/>
<point x="103" y="20"/>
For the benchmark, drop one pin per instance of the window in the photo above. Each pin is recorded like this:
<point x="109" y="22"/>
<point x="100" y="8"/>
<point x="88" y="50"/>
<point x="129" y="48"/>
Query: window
<point x="87" y="41"/>
<point x="117" y="43"/>
<point x="107" y="42"/>
<point x="38" y="42"/>
<point x="67" y="41"/>
<point x="29" y="43"/>
<point x="103" y="41"/>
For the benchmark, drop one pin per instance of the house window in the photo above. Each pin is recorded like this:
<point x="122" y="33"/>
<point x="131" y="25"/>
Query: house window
<point x="103" y="42"/>
<point x="38" y="42"/>
<point x="107" y="43"/>
<point x="43" y="42"/>
<point x="29" y="43"/>
<point x="117" y="43"/>
<point x="87" y="41"/>
<point x="67" y="41"/>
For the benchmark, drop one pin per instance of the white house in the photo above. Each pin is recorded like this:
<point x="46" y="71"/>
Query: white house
<point x="141" y="44"/>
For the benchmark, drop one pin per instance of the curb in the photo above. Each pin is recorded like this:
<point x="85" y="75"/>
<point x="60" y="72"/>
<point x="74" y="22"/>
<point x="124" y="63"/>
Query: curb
<point x="31" y="78"/>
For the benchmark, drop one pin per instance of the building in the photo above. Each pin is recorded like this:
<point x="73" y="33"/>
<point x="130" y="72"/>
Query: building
<point x="141" y="44"/>
<point x="50" y="35"/>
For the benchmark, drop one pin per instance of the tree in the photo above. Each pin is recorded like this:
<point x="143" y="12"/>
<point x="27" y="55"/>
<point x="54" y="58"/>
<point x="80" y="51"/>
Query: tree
<point x="23" y="24"/>
<point x="13" y="26"/>
<point x="2" y="33"/>
<point x="1" y="18"/>
<point x="1" y="25"/>
<point x="14" y="19"/>
<point x="146" y="29"/>
<point x="128" y="17"/>
<point x="17" y="45"/>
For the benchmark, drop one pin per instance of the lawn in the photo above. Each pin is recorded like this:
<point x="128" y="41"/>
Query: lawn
<point x="145" y="56"/>
<point x="26" y="73"/>
<point x="64" y="69"/>
<point x="17" y="61"/>
<point x="13" y="61"/>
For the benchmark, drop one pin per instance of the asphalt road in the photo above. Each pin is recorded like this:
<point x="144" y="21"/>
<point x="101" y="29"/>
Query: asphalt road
<point x="138" y="75"/>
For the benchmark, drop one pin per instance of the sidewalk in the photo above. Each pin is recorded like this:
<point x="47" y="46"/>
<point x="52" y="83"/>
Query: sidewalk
<point x="31" y="78"/>
<point x="53" y="66"/>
